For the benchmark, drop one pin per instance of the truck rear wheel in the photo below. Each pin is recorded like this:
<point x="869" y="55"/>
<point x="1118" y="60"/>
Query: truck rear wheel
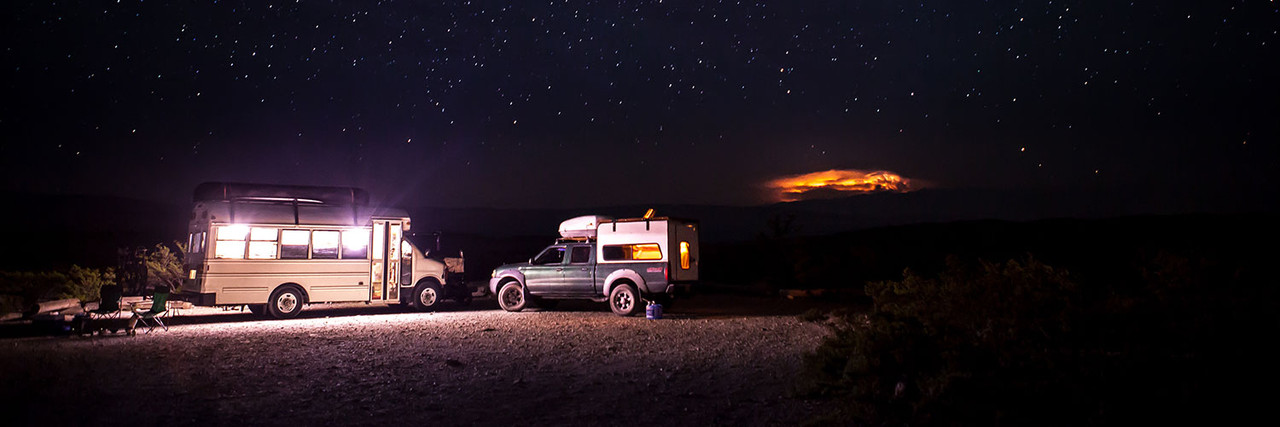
<point x="624" y="300"/>
<point x="511" y="296"/>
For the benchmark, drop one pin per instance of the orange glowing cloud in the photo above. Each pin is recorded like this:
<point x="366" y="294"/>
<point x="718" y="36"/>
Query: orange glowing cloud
<point x="836" y="183"/>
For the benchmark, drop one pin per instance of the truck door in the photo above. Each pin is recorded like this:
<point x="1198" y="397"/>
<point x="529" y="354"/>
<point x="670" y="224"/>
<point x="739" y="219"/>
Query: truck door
<point x="579" y="274"/>
<point x="542" y="276"/>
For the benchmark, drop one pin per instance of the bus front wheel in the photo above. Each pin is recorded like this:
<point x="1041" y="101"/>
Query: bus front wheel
<point x="426" y="295"/>
<point x="285" y="302"/>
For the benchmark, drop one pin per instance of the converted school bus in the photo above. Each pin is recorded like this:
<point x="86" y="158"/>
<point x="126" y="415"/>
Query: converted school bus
<point x="276" y="248"/>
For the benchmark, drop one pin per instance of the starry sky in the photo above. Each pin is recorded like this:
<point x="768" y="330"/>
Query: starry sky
<point x="585" y="103"/>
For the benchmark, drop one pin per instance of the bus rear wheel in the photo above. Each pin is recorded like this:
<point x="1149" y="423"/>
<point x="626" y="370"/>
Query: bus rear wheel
<point x="285" y="302"/>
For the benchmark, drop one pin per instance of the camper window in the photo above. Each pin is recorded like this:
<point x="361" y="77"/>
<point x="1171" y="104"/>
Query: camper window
<point x="642" y="252"/>
<point x="684" y="255"/>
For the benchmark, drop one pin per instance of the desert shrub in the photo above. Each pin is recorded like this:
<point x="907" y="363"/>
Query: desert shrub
<point x="164" y="266"/>
<point x="966" y="346"/>
<point x="1020" y="343"/>
<point x="86" y="284"/>
<point x="22" y="289"/>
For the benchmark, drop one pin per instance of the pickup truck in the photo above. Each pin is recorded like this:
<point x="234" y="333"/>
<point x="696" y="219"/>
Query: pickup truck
<point x="620" y="261"/>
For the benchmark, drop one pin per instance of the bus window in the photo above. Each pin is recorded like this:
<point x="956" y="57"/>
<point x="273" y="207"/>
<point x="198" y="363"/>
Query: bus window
<point x="230" y="242"/>
<point x="355" y="244"/>
<point x="294" y="244"/>
<point x="262" y="243"/>
<point x="324" y="245"/>
<point x="195" y="244"/>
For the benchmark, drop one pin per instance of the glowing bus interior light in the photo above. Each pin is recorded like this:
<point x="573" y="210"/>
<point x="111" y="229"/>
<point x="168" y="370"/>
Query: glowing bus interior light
<point x="295" y="237"/>
<point x="233" y="232"/>
<point x="355" y="244"/>
<point x="324" y="244"/>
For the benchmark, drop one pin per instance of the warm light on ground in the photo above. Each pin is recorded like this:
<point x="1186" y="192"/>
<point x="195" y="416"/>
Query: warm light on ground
<point x="837" y="182"/>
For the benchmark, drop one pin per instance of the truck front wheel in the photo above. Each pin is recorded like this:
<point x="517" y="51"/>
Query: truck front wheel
<point x="624" y="301"/>
<point x="511" y="296"/>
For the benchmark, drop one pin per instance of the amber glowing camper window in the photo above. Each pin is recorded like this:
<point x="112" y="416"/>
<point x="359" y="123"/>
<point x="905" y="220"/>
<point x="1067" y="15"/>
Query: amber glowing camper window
<point x="684" y="255"/>
<point x="642" y="252"/>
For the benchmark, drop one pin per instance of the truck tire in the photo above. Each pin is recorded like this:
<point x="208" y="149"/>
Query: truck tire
<point x="511" y="296"/>
<point x="426" y="296"/>
<point x="624" y="300"/>
<point x="286" y="302"/>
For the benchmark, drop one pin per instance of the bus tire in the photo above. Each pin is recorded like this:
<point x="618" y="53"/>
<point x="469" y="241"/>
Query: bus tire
<point x="512" y="297"/>
<point x="286" y="302"/>
<point x="624" y="300"/>
<point x="426" y="296"/>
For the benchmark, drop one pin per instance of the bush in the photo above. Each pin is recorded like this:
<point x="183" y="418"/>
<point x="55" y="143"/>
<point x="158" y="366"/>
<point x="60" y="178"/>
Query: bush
<point x="164" y="266"/>
<point x="965" y="346"/>
<point x="1020" y="342"/>
<point x="22" y="289"/>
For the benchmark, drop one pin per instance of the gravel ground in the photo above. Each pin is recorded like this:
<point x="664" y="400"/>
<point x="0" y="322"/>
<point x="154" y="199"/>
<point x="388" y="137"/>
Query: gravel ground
<point x="718" y="360"/>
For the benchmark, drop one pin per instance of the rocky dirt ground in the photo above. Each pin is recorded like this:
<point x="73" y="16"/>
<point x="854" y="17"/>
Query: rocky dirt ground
<point x="715" y="360"/>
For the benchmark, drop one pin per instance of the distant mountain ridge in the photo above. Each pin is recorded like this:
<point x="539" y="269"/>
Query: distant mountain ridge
<point x="59" y="230"/>
<point x="721" y="223"/>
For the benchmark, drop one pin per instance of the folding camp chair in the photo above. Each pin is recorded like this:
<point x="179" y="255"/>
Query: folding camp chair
<point x="110" y="304"/>
<point x="151" y="317"/>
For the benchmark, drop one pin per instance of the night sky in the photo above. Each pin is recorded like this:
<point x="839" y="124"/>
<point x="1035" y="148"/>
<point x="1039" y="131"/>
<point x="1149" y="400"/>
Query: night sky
<point x="576" y="103"/>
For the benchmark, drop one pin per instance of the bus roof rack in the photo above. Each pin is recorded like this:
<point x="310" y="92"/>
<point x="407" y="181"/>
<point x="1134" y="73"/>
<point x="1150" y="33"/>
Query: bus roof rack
<point x="274" y="193"/>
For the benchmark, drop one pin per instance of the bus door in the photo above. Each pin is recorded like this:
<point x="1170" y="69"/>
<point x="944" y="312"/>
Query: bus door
<point x="385" y="252"/>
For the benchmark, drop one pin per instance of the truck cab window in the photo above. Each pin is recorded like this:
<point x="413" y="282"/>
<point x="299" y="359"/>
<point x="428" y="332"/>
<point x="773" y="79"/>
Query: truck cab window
<point x="553" y="255"/>
<point x="580" y="255"/>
